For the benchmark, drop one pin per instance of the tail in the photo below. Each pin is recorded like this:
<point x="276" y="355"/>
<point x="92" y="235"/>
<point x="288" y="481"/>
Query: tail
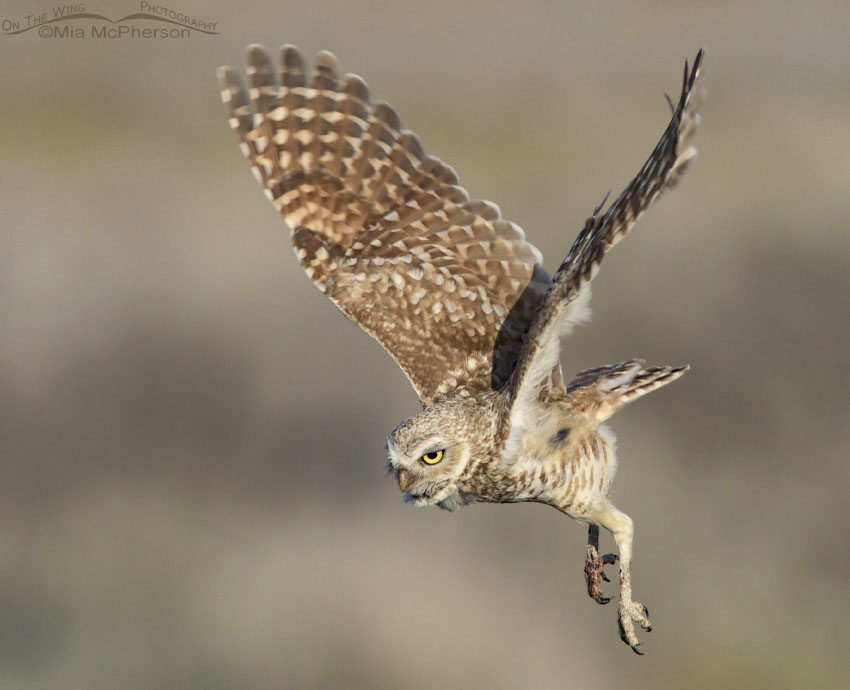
<point x="601" y="391"/>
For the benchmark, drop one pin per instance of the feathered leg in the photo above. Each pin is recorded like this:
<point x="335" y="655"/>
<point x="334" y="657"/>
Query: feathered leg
<point x="630" y="612"/>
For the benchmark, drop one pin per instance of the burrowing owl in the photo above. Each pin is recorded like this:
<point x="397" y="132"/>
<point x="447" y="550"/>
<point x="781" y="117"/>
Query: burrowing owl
<point x="457" y="296"/>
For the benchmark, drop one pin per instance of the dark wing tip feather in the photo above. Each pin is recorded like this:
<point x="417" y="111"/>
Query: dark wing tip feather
<point x="354" y="86"/>
<point x="384" y="112"/>
<point x="293" y="67"/>
<point x="325" y="71"/>
<point x="234" y="95"/>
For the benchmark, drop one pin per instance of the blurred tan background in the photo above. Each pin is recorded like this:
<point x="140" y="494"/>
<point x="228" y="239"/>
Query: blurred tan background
<point x="193" y="489"/>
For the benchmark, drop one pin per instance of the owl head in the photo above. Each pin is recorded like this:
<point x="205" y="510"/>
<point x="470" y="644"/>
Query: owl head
<point x="432" y="453"/>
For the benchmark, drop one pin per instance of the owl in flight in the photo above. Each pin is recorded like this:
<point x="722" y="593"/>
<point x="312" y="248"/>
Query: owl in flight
<point x="457" y="296"/>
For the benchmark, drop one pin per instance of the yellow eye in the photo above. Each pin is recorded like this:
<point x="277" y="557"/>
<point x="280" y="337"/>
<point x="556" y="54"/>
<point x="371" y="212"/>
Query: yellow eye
<point x="432" y="458"/>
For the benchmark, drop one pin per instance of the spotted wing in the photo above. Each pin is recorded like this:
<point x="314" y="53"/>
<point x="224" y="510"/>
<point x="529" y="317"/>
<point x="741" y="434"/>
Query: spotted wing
<point x="443" y="283"/>
<point x="663" y="169"/>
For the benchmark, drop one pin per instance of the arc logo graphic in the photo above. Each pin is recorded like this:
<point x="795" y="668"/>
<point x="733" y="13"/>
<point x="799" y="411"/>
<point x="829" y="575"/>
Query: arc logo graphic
<point x="76" y="21"/>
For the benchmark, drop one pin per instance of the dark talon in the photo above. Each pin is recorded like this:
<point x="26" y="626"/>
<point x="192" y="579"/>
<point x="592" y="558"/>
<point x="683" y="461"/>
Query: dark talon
<point x="636" y="650"/>
<point x="649" y="629"/>
<point x="605" y="577"/>
<point x="646" y="611"/>
<point x="609" y="558"/>
<point x="603" y="600"/>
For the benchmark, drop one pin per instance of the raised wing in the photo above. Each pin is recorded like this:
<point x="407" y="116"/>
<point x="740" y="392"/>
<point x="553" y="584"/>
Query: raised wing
<point x="564" y="301"/>
<point x="442" y="282"/>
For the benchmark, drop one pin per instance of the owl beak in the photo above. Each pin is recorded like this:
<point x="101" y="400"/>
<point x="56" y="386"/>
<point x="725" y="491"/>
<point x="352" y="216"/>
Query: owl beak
<point x="403" y="481"/>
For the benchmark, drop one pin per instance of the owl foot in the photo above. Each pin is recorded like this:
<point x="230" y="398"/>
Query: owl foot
<point x="631" y="612"/>
<point x="594" y="575"/>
